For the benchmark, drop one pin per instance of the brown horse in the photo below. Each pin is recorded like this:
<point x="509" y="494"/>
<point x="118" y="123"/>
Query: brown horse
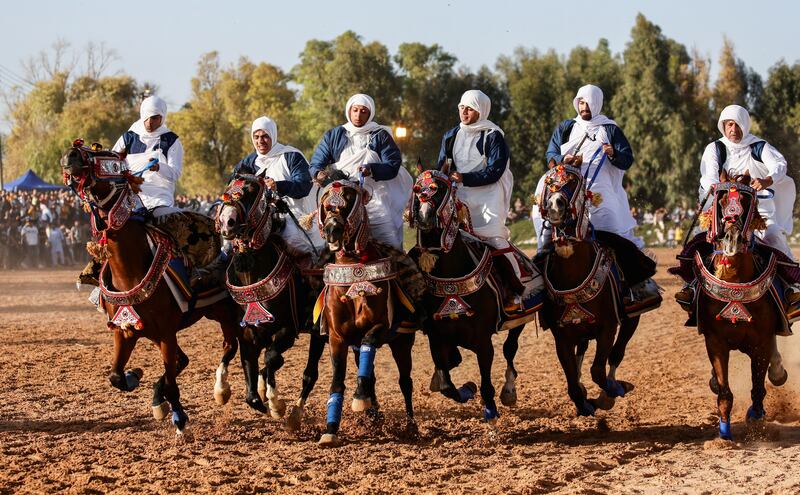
<point x="583" y="297"/>
<point x="361" y="303"/>
<point x="462" y="295"/>
<point x="266" y="281"/>
<point x="135" y="297"/>
<point x="735" y="306"/>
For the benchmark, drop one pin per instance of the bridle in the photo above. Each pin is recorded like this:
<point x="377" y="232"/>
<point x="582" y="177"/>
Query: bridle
<point x="256" y="216"/>
<point x="566" y="184"/>
<point x="355" y="224"/>
<point x="738" y="211"/>
<point x="428" y="190"/>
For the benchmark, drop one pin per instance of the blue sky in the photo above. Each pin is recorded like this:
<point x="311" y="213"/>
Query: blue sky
<point x="161" y="41"/>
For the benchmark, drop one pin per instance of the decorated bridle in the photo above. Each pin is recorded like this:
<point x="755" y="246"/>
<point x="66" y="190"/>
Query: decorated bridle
<point x="256" y="216"/>
<point x="734" y="211"/>
<point x="449" y="210"/>
<point x="356" y="224"/>
<point x="556" y="181"/>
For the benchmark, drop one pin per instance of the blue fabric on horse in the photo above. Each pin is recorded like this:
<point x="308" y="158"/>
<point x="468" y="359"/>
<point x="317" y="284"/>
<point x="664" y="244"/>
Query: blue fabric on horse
<point x="366" y="360"/>
<point x="335" y="408"/>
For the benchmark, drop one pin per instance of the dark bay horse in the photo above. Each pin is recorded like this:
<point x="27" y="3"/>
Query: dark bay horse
<point x="462" y="294"/>
<point x="360" y="303"/>
<point x="265" y="279"/>
<point x="583" y="297"/>
<point x="135" y="296"/>
<point x="737" y="305"/>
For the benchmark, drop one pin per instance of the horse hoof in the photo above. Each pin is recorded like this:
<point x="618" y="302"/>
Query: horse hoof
<point x="277" y="408"/>
<point x="133" y="378"/>
<point x="490" y="415"/>
<point x="295" y="419"/>
<point x="361" y="405"/>
<point x="586" y="409"/>
<point x="184" y="435"/>
<point x="329" y="440"/>
<point x="179" y="419"/>
<point x="603" y="401"/>
<point x="713" y="385"/>
<point x="161" y="411"/>
<point x="467" y="391"/>
<point x="779" y="380"/>
<point x="508" y="397"/>
<point x="755" y="414"/>
<point x="626" y="386"/>
<point x="615" y="388"/>
<point x="222" y="395"/>
<point x="437" y="381"/>
<point x="725" y="430"/>
<point x="257" y="404"/>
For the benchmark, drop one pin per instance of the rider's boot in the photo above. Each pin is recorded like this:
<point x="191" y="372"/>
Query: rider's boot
<point x="685" y="296"/>
<point x="544" y="245"/>
<point x="213" y="273"/>
<point x="792" y="294"/>
<point x="91" y="273"/>
<point x="644" y="295"/>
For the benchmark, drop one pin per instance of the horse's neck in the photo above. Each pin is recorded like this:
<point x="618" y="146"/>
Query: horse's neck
<point x="264" y="260"/>
<point x="571" y="271"/>
<point x="129" y="255"/>
<point x="739" y="268"/>
<point x="455" y="263"/>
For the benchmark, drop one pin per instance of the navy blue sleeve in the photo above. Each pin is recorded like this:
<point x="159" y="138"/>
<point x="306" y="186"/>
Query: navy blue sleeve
<point x="442" y="154"/>
<point x="299" y="184"/>
<point x="390" y="156"/>
<point x="245" y="166"/>
<point x="323" y="154"/>
<point x="497" y="155"/>
<point x="554" y="147"/>
<point x="623" y="154"/>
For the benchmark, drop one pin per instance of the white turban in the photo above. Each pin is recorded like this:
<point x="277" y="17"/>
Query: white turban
<point x="369" y="125"/>
<point x="741" y="116"/>
<point x="152" y="105"/>
<point x="269" y="126"/>
<point x="477" y="100"/>
<point x="593" y="96"/>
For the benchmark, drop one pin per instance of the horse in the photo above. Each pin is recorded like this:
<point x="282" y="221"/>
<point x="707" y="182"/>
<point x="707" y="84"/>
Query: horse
<point x="737" y="306"/>
<point x="134" y="293"/>
<point x="359" y="305"/>
<point x="464" y="298"/>
<point x="265" y="279"/>
<point x="583" y="298"/>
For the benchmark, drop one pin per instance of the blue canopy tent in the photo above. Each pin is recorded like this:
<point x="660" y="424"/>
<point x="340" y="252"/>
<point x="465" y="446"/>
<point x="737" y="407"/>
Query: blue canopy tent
<point x="30" y="181"/>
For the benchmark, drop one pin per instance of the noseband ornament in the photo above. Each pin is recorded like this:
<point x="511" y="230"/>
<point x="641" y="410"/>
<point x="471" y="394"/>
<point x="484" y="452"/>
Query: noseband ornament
<point x="741" y="206"/>
<point x="447" y="212"/>
<point x="356" y="224"/>
<point x="568" y="181"/>
<point x="257" y="216"/>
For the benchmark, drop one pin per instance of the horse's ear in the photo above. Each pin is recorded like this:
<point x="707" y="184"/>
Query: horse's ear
<point x="723" y="176"/>
<point x="419" y="166"/>
<point x="447" y="165"/>
<point x="746" y="177"/>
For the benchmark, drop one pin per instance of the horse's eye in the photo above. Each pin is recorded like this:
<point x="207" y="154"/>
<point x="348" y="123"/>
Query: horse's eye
<point x="417" y="189"/>
<point x="434" y="187"/>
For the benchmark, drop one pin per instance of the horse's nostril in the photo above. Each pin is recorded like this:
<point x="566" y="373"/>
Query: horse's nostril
<point x="230" y="222"/>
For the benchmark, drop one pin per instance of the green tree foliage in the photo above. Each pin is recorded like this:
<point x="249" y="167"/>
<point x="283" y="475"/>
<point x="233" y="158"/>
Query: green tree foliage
<point x="779" y="112"/>
<point x="598" y="67"/>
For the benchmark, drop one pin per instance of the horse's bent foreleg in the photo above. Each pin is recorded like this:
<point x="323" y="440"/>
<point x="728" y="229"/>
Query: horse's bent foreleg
<point x="123" y="347"/>
<point x="401" y="352"/>
<point x="315" y="348"/>
<point x="626" y="330"/>
<point x="565" y="350"/>
<point x="281" y="342"/>
<point x="334" y="415"/>
<point x="777" y="373"/>
<point x="248" y="353"/>
<point x="719" y="354"/>
<point x="508" y="394"/>
<point x="758" y="371"/>
<point x="441" y="353"/>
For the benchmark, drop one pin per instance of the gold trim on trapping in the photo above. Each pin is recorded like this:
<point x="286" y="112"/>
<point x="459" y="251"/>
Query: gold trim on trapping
<point x="733" y="293"/>
<point x="468" y="284"/>
<point x="265" y="289"/>
<point x="342" y="274"/>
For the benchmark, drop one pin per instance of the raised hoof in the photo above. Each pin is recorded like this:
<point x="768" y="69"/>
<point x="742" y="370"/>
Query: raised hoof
<point x="361" y="405"/>
<point x="755" y="414"/>
<point x="257" y="404"/>
<point x="222" y="395"/>
<point x="725" y="430"/>
<point x="161" y="411"/>
<point x="277" y="408"/>
<point x="295" y="419"/>
<point x="585" y="409"/>
<point x="603" y="401"/>
<point x="437" y="381"/>
<point x="778" y="381"/>
<point x="508" y="397"/>
<point x="329" y="440"/>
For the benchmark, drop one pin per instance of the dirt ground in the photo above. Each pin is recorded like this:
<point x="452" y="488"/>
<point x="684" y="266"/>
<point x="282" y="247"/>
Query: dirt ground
<point x="63" y="428"/>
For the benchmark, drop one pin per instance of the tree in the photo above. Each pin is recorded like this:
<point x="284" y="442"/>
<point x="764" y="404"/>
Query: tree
<point x="779" y="112"/>
<point x="598" y="67"/>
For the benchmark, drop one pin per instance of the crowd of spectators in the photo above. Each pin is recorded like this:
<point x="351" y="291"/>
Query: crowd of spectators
<point x="667" y="225"/>
<point x="199" y="203"/>
<point x="42" y="229"/>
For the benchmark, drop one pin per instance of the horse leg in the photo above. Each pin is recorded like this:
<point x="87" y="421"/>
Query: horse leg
<point x="508" y="394"/>
<point x="580" y="353"/>
<point x="310" y="374"/>
<point x="401" y="347"/>
<point x="719" y="354"/>
<point x="365" y="382"/>
<point x="169" y="353"/>
<point x="758" y="372"/>
<point x="123" y="347"/>
<point x="160" y="404"/>
<point x="485" y="359"/>
<point x="281" y="342"/>
<point x="777" y="374"/>
<point x="249" y="352"/>
<point x="336" y="398"/>
<point x="441" y="353"/>
<point x="222" y="390"/>
<point x="451" y="360"/>
<point x="626" y="331"/>
<point x="565" y="350"/>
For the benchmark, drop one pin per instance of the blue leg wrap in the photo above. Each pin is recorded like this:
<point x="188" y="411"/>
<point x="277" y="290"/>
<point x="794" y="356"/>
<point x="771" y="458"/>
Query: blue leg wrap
<point x="335" y="408"/>
<point x="585" y="409"/>
<point x="131" y="379"/>
<point x="725" y="430"/>
<point x="179" y="418"/>
<point x="614" y="388"/>
<point x="465" y="393"/>
<point x="489" y="414"/>
<point x="366" y="360"/>
<point x="755" y="414"/>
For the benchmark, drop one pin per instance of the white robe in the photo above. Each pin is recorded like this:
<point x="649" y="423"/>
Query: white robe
<point x="158" y="188"/>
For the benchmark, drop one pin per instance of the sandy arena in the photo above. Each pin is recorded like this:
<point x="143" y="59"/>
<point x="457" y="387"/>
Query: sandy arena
<point x="63" y="428"/>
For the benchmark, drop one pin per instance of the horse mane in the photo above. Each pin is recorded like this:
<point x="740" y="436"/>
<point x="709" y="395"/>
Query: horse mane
<point x="333" y="176"/>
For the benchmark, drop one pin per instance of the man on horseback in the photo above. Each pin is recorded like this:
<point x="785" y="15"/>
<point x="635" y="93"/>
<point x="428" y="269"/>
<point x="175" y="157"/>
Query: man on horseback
<point x="588" y="141"/>
<point x="740" y="153"/>
<point x="285" y="170"/>
<point x="480" y="158"/>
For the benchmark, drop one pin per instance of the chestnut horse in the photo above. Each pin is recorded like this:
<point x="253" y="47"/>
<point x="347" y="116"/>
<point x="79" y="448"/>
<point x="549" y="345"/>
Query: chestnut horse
<point x="583" y="297"/>
<point x="737" y="307"/>
<point x="136" y="299"/>
<point x="265" y="280"/>
<point x="361" y="304"/>
<point x="462" y="295"/>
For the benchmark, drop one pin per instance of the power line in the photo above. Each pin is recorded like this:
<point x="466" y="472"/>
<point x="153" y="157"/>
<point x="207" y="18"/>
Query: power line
<point x="11" y="75"/>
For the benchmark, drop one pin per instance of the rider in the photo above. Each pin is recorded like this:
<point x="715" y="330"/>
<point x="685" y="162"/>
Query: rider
<point x="740" y="153"/>
<point x="149" y="141"/>
<point x="362" y="145"/>
<point x="285" y="170"/>
<point x="588" y="141"/>
<point x="480" y="165"/>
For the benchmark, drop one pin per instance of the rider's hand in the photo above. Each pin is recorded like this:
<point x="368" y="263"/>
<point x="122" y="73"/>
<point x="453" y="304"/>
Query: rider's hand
<point x="456" y="177"/>
<point x="761" y="184"/>
<point x="608" y="150"/>
<point x="155" y="167"/>
<point x="365" y="171"/>
<point x="577" y="160"/>
<point x="568" y="159"/>
<point x="271" y="185"/>
<point x="321" y="176"/>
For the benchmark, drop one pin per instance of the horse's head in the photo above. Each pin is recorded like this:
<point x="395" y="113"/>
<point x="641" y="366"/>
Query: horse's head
<point x="342" y="219"/>
<point x="563" y="202"/>
<point x="734" y="216"/>
<point x="95" y="174"/>
<point x="246" y="210"/>
<point x="434" y="203"/>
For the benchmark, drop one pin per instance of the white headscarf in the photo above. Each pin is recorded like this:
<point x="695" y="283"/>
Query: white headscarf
<point x="739" y="115"/>
<point x="152" y="105"/>
<point x="269" y="126"/>
<point x="477" y="100"/>
<point x="369" y="126"/>
<point x="592" y="95"/>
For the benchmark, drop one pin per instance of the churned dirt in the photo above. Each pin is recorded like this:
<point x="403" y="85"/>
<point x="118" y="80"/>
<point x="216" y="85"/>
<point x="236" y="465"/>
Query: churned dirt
<point x="63" y="428"/>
